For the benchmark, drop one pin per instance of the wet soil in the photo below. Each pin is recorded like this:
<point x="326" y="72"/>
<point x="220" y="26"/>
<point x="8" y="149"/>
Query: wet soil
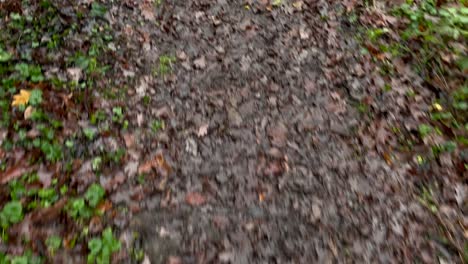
<point x="265" y="140"/>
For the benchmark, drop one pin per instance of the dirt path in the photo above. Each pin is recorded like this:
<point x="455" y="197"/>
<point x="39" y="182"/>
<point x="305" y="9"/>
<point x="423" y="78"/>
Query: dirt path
<point x="216" y="131"/>
<point x="262" y="130"/>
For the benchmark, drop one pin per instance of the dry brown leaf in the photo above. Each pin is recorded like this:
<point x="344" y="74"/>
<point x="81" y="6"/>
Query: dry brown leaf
<point x="195" y="199"/>
<point x="45" y="176"/>
<point x="147" y="10"/>
<point x="158" y="163"/>
<point x="14" y="172"/>
<point x="104" y="206"/>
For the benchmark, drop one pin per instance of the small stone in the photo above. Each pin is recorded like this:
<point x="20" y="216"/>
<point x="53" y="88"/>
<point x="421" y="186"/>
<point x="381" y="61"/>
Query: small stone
<point x="316" y="212"/>
<point x="191" y="146"/>
<point x="181" y="55"/>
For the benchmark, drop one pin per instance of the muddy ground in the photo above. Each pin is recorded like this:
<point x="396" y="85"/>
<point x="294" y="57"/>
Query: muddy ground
<point x="264" y="132"/>
<point x="266" y="155"/>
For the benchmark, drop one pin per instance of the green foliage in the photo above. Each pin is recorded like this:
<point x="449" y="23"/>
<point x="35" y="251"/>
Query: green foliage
<point x="117" y="114"/>
<point x="36" y="97"/>
<point x="432" y="23"/>
<point x="29" y="43"/>
<point x="426" y="198"/>
<point x="96" y="163"/>
<point x="11" y="213"/>
<point x="4" y="55"/>
<point x="26" y="258"/>
<point x="94" y="194"/>
<point x="375" y="33"/>
<point x="157" y="125"/>
<point x="436" y="29"/>
<point x="52" y="151"/>
<point x="77" y="208"/>
<point x="424" y="130"/>
<point x="31" y="72"/>
<point x="165" y="65"/>
<point x="48" y="196"/>
<point x="277" y="3"/>
<point x="98" y="10"/>
<point x="17" y="190"/>
<point x="53" y="243"/>
<point x="102" y="248"/>
<point x="89" y="133"/>
<point x="83" y="207"/>
<point x="432" y="38"/>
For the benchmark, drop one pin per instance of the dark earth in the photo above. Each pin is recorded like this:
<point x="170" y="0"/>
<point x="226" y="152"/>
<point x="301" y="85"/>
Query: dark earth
<point x="266" y="154"/>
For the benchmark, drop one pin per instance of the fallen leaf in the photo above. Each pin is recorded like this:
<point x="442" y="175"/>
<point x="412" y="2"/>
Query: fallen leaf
<point x="195" y="199"/>
<point x="28" y="112"/>
<point x="350" y="5"/>
<point x="298" y="5"/>
<point x="14" y="172"/>
<point x="203" y="130"/>
<point x="147" y="10"/>
<point x="129" y="140"/>
<point x="158" y="163"/>
<point x="131" y="168"/>
<point x="261" y="197"/>
<point x="278" y="135"/>
<point x="200" y="63"/>
<point x="104" y="206"/>
<point x="274" y="168"/>
<point x="146" y="260"/>
<point x="95" y="225"/>
<point x="437" y="107"/>
<point x="303" y="33"/>
<point x="75" y="74"/>
<point x="22" y="98"/>
<point x="45" y="215"/>
<point x="45" y="176"/>
<point x="174" y="260"/>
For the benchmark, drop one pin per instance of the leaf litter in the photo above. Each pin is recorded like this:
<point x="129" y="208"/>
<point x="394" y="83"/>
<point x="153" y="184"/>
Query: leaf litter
<point x="299" y="143"/>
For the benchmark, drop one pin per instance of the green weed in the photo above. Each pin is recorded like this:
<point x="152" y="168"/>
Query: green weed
<point x="165" y="65"/>
<point x="102" y="248"/>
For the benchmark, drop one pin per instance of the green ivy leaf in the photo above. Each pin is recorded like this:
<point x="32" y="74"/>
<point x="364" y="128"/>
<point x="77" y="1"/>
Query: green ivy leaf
<point x="53" y="243"/>
<point x="36" y="97"/>
<point x="95" y="245"/>
<point x="450" y="146"/>
<point x="98" y="10"/>
<point x="23" y="69"/>
<point x="13" y="212"/>
<point x="4" y="56"/>
<point x="94" y="194"/>
<point x="110" y="241"/>
<point x="424" y="130"/>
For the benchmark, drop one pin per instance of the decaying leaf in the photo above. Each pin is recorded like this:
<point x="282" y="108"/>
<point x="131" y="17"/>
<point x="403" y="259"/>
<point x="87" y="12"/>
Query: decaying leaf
<point x="203" y="130"/>
<point x="195" y="199"/>
<point x="147" y="10"/>
<point x="45" y="176"/>
<point x="14" y="172"/>
<point x="28" y="112"/>
<point x="158" y="163"/>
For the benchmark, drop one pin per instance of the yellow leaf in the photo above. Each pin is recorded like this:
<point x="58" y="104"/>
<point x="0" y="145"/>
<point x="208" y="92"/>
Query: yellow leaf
<point x="22" y="98"/>
<point x="437" y="107"/>
<point x="298" y="5"/>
